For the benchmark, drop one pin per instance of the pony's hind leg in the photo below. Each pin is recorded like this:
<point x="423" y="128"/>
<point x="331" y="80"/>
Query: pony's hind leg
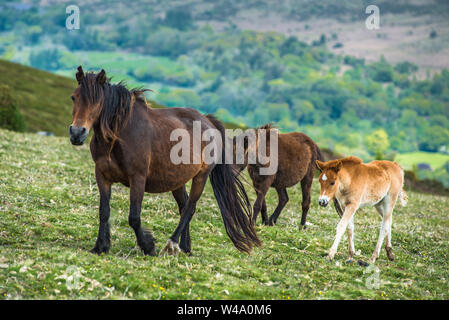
<point x="104" y="237"/>
<point x="283" y="199"/>
<point x="144" y="238"/>
<point x="261" y="191"/>
<point x="263" y="211"/>
<point x="181" y="197"/>
<point x="306" y="186"/>
<point x="385" y="209"/>
<point x="198" y="183"/>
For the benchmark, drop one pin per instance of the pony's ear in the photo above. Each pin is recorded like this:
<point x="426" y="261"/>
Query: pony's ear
<point x="101" y="77"/>
<point x="80" y="74"/>
<point x="337" y="166"/>
<point x="319" y="165"/>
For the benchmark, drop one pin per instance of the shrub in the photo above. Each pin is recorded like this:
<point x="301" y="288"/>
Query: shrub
<point x="10" y="117"/>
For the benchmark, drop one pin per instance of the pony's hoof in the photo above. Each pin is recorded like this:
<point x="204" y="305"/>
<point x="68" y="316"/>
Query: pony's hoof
<point x="362" y="263"/>
<point x="172" y="248"/>
<point x="99" y="249"/>
<point x="350" y="261"/>
<point x="147" y="244"/>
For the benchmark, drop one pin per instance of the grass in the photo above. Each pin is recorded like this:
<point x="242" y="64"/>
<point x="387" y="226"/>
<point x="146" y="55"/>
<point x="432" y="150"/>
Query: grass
<point x="48" y="222"/>
<point x="435" y="160"/>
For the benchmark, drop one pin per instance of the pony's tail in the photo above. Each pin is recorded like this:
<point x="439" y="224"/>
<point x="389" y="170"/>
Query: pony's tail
<point x="403" y="198"/>
<point x="319" y="154"/>
<point x="233" y="201"/>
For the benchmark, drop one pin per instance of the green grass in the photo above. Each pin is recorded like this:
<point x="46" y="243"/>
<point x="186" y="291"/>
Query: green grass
<point x="435" y="160"/>
<point x="48" y="222"/>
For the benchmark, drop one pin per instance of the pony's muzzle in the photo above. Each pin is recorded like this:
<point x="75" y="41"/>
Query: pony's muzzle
<point x="323" y="201"/>
<point x="78" y="135"/>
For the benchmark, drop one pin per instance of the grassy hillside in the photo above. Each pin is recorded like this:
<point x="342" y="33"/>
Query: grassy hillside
<point x="48" y="222"/>
<point x="43" y="98"/>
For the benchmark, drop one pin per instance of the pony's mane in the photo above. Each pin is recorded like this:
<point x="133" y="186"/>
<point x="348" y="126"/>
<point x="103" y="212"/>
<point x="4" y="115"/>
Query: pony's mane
<point x="352" y="160"/>
<point x="267" y="127"/>
<point x="116" y="103"/>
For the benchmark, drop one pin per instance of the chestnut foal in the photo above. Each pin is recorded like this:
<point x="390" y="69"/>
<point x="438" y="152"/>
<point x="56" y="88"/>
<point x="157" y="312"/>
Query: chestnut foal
<point x="351" y="184"/>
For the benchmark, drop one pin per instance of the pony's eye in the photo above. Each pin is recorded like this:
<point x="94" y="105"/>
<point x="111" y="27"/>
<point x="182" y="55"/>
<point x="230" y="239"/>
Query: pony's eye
<point x="332" y="183"/>
<point x="73" y="98"/>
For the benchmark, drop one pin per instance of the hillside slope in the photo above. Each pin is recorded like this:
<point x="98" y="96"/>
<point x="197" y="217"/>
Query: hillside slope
<point x="48" y="222"/>
<point x="42" y="98"/>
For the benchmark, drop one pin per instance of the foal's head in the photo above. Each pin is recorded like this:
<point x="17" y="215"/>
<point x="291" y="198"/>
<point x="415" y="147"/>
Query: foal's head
<point x="328" y="180"/>
<point x="88" y="100"/>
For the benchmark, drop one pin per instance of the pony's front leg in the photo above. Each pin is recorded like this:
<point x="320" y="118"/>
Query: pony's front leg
<point x="341" y="228"/>
<point x="104" y="237"/>
<point x="144" y="238"/>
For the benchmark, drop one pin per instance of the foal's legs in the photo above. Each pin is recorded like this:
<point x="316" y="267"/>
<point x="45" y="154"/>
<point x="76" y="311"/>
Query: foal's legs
<point x="306" y="185"/>
<point x="104" y="237"/>
<point x="259" y="203"/>
<point x="181" y="196"/>
<point x="283" y="199"/>
<point x="350" y="232"/>
<point x="198" y="183"/>
<point x="385" y="209"/>
<point x="263" y="211"/>
<point x="144" y="238"/>
<point x="341" y="227"/>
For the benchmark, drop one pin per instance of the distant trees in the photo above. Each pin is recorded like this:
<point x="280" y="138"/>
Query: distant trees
<point x="179" y="18"/>
<point x="377" y="143"/>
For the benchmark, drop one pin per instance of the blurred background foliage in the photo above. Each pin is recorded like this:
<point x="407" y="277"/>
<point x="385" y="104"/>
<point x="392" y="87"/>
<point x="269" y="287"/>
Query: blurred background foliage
<point x="372" y="109"/>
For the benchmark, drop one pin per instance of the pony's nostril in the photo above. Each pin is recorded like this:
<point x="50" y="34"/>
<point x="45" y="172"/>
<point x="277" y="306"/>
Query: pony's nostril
<point x="83" y="130"/>
<point x="70" y="130"/>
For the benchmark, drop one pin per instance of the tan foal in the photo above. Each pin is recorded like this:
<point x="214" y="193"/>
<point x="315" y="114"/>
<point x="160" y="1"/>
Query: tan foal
<point x="352" y="184"/>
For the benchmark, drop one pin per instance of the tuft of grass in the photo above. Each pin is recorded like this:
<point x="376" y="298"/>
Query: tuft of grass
<point x="49" y="221"/>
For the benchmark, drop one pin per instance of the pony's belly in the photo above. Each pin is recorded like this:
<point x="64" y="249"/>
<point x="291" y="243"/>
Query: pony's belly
<point x="170" y="177"/>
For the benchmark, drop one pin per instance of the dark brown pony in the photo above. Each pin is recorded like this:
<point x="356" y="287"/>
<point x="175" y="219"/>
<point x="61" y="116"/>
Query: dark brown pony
<point x="297" y="154"/>
<point x="131" y="145"/>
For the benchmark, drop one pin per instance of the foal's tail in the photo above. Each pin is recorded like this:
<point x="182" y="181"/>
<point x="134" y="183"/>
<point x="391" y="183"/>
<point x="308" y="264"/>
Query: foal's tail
<point x="403" y="198"/>
<point x="233" y="201"/>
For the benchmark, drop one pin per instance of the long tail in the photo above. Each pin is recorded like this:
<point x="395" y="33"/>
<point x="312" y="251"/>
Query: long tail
<point x="233" y="201"/>
<point x="319" y="154"/>
<point x="403" y="198"/>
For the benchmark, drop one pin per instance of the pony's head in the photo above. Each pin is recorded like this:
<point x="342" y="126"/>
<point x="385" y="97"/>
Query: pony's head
<point x="329" y="180"/>
<point x="88" y="100"/>
<point x="101" y="105"/>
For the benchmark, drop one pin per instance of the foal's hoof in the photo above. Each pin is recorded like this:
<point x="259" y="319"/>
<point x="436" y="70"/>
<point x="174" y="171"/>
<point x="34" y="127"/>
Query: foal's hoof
<point x="172" y="248"/>
<point x="390" y="254"/>
<point x="349" y="261"/>
<point x="362" y="263"/>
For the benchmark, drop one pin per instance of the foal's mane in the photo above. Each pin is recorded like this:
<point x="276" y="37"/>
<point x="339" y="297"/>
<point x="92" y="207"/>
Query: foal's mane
<point x="116" y="103"/>
<point x="352" y="160"/>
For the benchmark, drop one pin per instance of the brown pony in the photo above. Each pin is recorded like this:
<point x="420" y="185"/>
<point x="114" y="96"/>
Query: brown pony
<point x="296" y="158"/>
<point x="352" y="184"/>
<point x="131" y="145"/>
